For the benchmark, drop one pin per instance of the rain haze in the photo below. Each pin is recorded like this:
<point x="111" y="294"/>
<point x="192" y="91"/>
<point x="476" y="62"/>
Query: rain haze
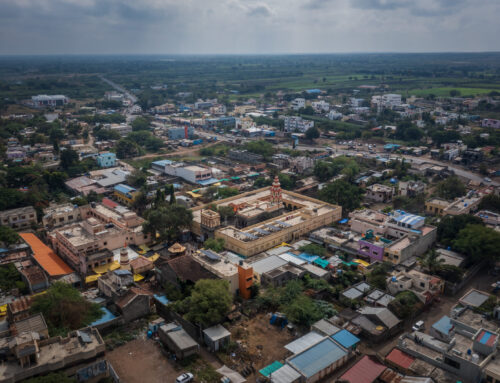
<point x="245" y="27"/>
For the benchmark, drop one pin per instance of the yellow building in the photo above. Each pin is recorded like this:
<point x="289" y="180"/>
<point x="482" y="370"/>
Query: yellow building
<point x="125" y="194"/>
<point x="293" y="215"/>
<point x="436" y="206"/>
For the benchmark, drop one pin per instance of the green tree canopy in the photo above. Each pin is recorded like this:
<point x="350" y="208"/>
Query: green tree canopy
<point x="450" y="188"/>
<point x="64" y="309"/>
<point x="167" y="221"/>
<point x="450" y="226"/>
<point x="8" y="235"/>
<point x="227" y="192"/>
<point x="215" y="244"/>
<point x="478" y="242"/>
<point x="141" y="123"/>
<point x="490" y="202"/>
<point x="69" y="158"/>
<point x="261" y="147"/>
<point x="312" y="133"/>
<point x="330" y="168"/>
<point x="313" y="248"/>
<point x="209" y="303"/>
<point x="342" y="193"/>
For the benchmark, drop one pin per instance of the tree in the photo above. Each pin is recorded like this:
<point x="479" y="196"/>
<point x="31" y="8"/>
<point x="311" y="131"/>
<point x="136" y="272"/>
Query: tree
<point x="286" y="182"/>
<point x="378" y="276"/>
<point x="69" y="158"/>
<point x="8" y="235"/>
<point x="490" y="202"/>
<point x="406" y="131"/>
<point x="431" y="261"/>
<point x="137" y="178"/>
<point x="141" y="123"/>
<point x="226" y="212"/>
<point x="64" y="309"/>
<point x="312" y="248"/>
<point x="312" y="133"/>
<point x="308" y="110"/>
<point x="126" y="148"/>
<point x="209" y="303"/>
<point x="261" y="147"/>
<point x="167" y="221"/>
<point x="140" y="202"/>
<point x="450" y="226"/>
<point x="170" y="190"/>
<point x="215" y="244"/>
<point x="227" y="192"/>
<point x="342" y="193"/>
<point x="450" y="188"/>
<point x="478" y="242"/>
<point x="303" y="311"/>
<point x="454" y="93"/>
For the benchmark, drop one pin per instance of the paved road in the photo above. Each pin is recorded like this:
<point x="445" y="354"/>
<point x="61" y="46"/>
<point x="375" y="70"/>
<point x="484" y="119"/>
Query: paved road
<point x="412" y="159"/>
<point x="121" y="89"/>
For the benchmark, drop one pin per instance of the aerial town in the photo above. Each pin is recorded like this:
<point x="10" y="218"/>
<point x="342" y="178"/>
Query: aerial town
<point x="310" y="235"/>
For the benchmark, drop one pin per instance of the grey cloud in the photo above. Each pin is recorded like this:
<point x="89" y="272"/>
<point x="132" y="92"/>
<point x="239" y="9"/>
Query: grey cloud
<point x="259" y="10"/>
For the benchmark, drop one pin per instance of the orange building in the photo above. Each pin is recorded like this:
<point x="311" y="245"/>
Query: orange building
<point x="245" y="279"/>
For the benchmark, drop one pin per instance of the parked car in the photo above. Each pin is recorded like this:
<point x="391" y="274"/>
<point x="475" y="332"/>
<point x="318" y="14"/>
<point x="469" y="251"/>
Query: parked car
<point x="185" y="378"/>
<point x="419" y="326"/>
<point x="486" y="179"/>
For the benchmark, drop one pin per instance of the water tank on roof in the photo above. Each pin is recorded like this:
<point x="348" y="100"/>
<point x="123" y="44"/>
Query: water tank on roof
<point x="475" y="358"/>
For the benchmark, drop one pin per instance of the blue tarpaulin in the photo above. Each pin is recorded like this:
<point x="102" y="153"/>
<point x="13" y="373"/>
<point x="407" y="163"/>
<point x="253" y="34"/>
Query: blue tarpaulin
<point x="310" y="258"/>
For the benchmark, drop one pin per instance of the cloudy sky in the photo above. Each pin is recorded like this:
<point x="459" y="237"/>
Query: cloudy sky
<point x="247" y="26"/>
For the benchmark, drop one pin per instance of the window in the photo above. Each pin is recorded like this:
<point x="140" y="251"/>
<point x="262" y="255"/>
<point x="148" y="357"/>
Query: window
<point x="23" y="217"/>
<point x="422" y="284"/>
<point x="489" y="379"/>
<point x="70" y="217"/>
<point x="105" y="243"/>
<point x="452" y="363"/>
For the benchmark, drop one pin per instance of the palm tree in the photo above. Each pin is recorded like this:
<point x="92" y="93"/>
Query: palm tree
<point x="431" y="261"/>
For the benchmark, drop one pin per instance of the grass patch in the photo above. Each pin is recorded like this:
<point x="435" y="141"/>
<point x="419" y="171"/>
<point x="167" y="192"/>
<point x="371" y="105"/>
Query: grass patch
<point x="445" y="91"/>
<point x="202" y="370"/>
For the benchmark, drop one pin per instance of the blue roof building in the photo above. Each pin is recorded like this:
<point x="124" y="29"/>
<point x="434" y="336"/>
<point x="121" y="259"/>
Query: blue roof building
<point x="319" y="360"/>
<point x="407" y="220"/>
<point x="345" y="339"/>
<point x="106" y="160"/>
<point x="442" y="329"/>
<point x="313" y="91"/>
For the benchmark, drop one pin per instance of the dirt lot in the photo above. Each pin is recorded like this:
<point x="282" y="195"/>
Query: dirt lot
<point x="260" y="343"/>
<point x="141" y="360"/>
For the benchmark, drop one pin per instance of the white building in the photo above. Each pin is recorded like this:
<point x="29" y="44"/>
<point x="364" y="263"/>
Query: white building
<point x="298" y="103"/>
<point x="390" y="100"/>
<point x="44" y="100"/>
<point x="191" y="173"/>
<point x="356" y="102"/>
<point x="321" y="106"/>
<point x="334" y="115"/>
<point x="294" y="124"/>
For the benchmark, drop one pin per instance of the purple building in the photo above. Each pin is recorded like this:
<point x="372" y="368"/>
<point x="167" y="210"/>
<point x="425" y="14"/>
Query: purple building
<point x="490" y="123"/>
<point x="373" y="250"/>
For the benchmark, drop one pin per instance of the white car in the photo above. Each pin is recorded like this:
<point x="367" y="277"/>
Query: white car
<point x="185" y="378"/>
<point x="486" y="179"/>
<point x="419" y="326"/>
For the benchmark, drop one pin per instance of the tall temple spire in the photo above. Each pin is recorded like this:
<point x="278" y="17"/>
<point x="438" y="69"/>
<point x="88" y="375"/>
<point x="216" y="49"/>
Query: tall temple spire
<point x="276" y="197"/>
<point x="124" y="260"/>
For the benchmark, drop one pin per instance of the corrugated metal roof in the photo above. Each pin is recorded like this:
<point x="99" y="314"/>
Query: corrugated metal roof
<point x="304" y="342"/>
<point x="268" y="264"/>
<point x="318" y="357"/>
<point x="292" y="259"/>
<point x="45" y="257"/>
<point x="345" y="338"/>
<point x="443" y="325"/>
<point x="216" y="332"/>
<point x="182" y="339"/>
<point x="366" y="370"/>
<point x="383" y="314"/>
<point x="270" y="369"/>
<point x="324" y="327"/>
<point x="124" y="189"/>
<point x="279" y="250"/>
<point x="400" y="358"/>
<point x="285" y="374"/>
